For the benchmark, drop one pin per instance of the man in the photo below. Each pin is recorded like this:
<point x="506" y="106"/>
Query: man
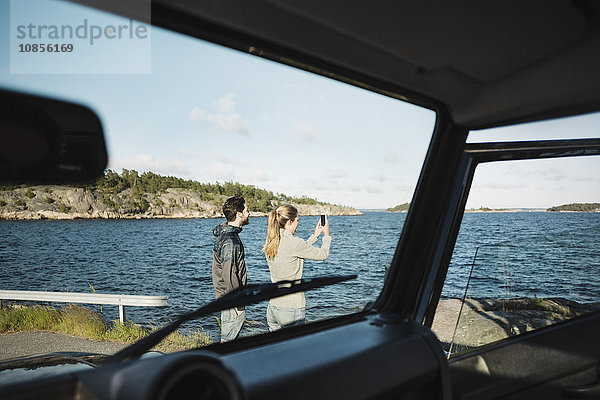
<point x="228" y="265"/>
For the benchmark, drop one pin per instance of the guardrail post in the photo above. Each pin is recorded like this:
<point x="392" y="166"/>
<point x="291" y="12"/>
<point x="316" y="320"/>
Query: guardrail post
<point x="122" y="313"/>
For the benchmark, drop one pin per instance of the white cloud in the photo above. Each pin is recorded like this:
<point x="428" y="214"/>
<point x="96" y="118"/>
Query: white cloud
<point x="256" y="175"/>
<point x="354" y="188"/>
<point x="494" y="185"/>
<point x="224" y="118"/>
<point x="378" y="178"/>
<point x="373" y="189"/>
<point x="405" y="187"/>
<point x="336" y="174"/>
<point x="392" y="158"/>
<point x="147" y="162"/>
<point x="220" y="172"/>
<point x="197" y="114"/>
<point x="554" y="175"/>
<point x="308" y="185"/>
<point x="225" y="104"/>
<point x="307" y="132"/>
<point x="228" y="160"/>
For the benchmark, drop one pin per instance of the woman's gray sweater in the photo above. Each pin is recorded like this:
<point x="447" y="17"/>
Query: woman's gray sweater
<point x="289" y="262"/>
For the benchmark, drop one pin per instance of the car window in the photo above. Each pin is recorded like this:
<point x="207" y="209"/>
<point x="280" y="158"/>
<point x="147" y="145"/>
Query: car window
<point x="198" y="124"/>
<point x="527" y="253"/>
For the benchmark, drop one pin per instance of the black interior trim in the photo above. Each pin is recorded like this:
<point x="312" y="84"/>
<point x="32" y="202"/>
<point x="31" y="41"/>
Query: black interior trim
<point x="541" y="362"/>
<point x="505" y="151"/>
<point x="406" y="288"/>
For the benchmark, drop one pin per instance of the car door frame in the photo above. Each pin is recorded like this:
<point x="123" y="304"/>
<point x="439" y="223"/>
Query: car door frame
<point x="553" y="362"/>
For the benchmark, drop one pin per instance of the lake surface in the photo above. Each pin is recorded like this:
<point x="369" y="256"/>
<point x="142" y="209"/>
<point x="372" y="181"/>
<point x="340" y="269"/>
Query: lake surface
<point x="520" y="254"/>
<point x="543" y="254"/>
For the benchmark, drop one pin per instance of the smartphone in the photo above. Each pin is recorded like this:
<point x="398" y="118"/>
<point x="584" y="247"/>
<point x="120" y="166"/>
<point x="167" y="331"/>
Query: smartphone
<point x="322" y="220"/>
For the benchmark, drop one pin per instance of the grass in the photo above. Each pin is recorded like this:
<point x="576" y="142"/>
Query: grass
<point x="526" y="303"/>
<point x="177" y="341"/>
<point x="83" y="322"/>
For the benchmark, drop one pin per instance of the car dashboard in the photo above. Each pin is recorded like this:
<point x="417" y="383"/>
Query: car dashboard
<point x="379" y="355"/>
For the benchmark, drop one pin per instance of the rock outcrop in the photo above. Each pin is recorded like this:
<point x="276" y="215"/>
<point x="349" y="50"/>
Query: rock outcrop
<point x="484" y="321"/>
<point x="62" y="202"/>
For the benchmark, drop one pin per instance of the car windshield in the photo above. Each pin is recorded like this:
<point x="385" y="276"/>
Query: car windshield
<point x="189" y="124"/>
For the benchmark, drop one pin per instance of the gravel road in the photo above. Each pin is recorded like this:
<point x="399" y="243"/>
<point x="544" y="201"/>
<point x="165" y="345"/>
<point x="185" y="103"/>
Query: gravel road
<point x="22" y="344"/>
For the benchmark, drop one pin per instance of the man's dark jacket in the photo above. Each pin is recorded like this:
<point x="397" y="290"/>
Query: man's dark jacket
<point x="228" y="265"/>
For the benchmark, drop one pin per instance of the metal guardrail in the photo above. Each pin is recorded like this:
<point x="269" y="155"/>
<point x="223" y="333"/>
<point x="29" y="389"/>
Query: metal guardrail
<point x="121" y="300"/>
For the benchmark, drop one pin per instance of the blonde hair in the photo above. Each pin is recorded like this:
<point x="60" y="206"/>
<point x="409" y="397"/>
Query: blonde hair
<point x="277" y="220"/>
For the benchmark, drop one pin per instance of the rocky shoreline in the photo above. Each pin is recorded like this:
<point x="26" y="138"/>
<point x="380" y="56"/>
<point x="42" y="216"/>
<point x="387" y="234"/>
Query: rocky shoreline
<point x="485" y="321"/>
<point x="66" y="203"/>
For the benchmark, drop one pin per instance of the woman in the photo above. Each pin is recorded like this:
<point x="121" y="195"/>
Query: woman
<point x="285" y="256"/>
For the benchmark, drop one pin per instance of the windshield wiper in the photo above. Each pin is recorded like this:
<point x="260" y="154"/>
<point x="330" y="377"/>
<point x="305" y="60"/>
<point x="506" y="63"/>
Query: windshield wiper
<point x="240" y="297"/>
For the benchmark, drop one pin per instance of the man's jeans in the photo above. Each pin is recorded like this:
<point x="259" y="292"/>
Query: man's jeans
<point x="231" y="324"/>
<point x="279" y="317"/>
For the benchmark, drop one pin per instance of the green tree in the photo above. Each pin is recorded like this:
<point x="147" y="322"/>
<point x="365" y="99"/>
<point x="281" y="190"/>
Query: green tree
<point x="110" y="186"/>
<point x="399" y="208"/>
<point x="579" y="207"/>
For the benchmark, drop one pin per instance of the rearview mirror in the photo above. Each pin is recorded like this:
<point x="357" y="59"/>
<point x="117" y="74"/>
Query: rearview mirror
<point x="48" y="141"/>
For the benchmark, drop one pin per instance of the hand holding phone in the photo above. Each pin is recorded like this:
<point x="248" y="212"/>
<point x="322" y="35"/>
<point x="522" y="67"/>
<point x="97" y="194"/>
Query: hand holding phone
<point x="320" y="224"/>
<point x="324" y="225"/>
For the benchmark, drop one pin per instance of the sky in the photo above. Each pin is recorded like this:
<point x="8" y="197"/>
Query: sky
<point x="179" y="106"/>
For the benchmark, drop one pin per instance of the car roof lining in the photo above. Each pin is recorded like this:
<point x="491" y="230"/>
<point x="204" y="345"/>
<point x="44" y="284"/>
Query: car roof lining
<point x="487" y="64"/>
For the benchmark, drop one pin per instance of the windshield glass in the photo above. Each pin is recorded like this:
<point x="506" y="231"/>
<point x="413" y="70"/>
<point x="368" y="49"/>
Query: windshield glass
<point x="189" y="124"/>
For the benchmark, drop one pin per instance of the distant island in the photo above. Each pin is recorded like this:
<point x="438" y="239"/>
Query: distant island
<point x="487" y="209"/>
<point x="131" y="195"/>
<point x="399" y="208"/>
<point x="576" y="207"/>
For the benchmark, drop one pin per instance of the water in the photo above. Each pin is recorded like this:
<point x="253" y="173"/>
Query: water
<point x="527" y="254"/>
<point x="173" y="257"/>
<point x="520" y="254"/>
